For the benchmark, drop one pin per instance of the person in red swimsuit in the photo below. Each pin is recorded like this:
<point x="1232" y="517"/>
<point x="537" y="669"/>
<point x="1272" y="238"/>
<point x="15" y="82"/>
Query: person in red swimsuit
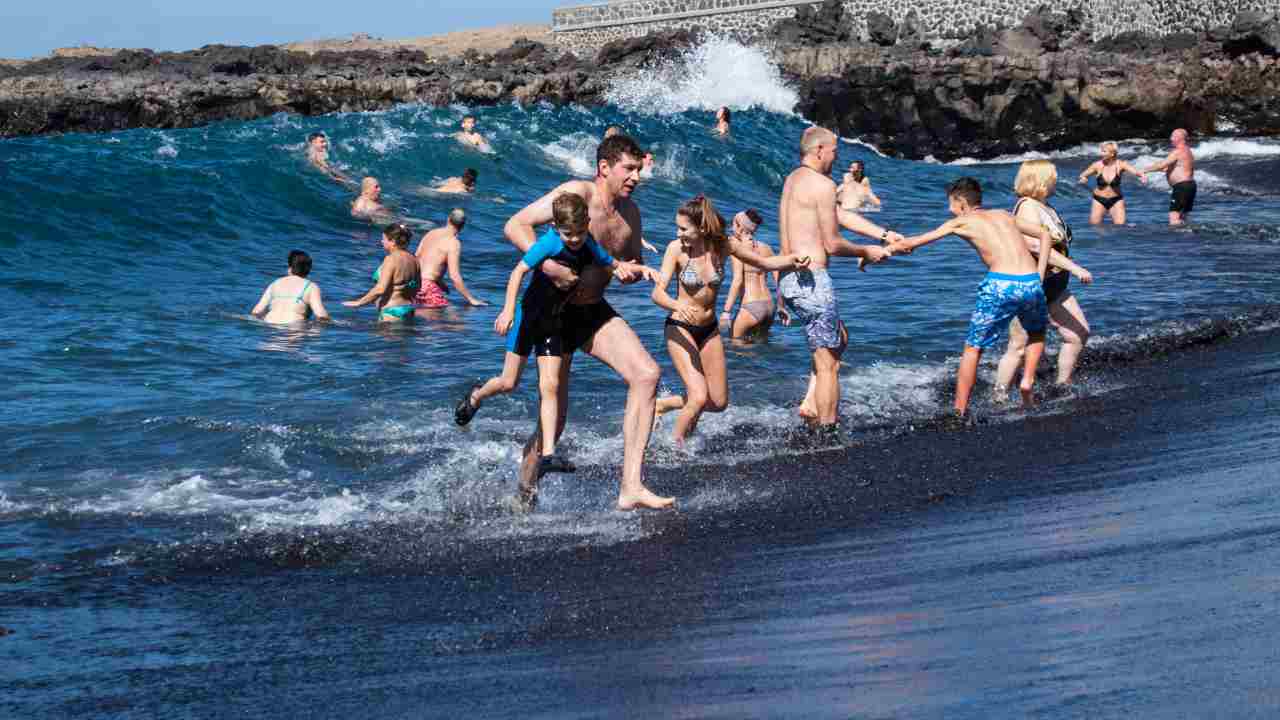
<point x="439" y="250"/>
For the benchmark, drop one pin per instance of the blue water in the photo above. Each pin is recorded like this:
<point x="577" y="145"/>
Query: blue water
<point x="153" y="432"/>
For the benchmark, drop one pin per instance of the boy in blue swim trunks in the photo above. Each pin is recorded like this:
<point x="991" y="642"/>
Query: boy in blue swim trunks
<point x="1012" y="288"/>
<point x="535" y="325"/>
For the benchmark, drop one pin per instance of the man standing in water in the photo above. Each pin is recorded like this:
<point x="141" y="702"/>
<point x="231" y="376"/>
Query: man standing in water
<point x="440" y="249"/>
<point x="1180" y="169"/>
<point x="808" y="225"/>
<point x="590" y="323"/>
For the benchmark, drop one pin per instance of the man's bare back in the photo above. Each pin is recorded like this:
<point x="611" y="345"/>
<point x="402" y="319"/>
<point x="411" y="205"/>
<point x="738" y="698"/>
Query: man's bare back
<point x="433" y="252"/>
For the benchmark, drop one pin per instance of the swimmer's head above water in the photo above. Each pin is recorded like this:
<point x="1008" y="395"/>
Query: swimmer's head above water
<point x="468" y="124"/>
<point x="458" y="218"/>
<point x="1109" y="150"/>
<point x="1179" y="137"/>
<point x="318" y="140"/>
<point x="964" y="195"/>
<point x="469" y="178"/>
<point x="619" y="160"/>
<point x="370" y="188"/>
<point x="299" y="263"/>
<point x="857" y="170"/>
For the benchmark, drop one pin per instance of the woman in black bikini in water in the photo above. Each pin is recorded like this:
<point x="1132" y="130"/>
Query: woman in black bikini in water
<point x="1107" y="199"/>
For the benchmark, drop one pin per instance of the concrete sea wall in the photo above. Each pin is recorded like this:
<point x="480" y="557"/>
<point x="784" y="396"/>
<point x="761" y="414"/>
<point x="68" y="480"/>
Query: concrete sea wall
<point x="583" y="29"/>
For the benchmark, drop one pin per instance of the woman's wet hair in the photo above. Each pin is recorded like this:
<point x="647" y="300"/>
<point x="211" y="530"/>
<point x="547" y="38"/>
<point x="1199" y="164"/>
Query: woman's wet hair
<point x="709" y="223"/>
<point x="299" y="263"/>
<point x="727" y="115"/>
<point x="1036" y="179"/>
<point x="612" y="149"/>
<point x="860" y="172"/>
<point x="967" y="189"/>
<point x="315" y="136"/>
<point x="398" y="234"/>
<point x="569" y="212"/>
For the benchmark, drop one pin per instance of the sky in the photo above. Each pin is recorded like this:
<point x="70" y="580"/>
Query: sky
<point x="30" y="29"/>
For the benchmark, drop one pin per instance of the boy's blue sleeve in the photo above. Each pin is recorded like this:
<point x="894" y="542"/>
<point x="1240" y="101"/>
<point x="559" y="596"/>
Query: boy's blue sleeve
<point x="598" y="253"/>
<point x="548" y="245"/>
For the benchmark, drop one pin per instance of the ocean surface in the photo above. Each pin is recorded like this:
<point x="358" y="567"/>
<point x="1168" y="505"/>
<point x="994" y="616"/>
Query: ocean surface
<point x="202" y="515"/>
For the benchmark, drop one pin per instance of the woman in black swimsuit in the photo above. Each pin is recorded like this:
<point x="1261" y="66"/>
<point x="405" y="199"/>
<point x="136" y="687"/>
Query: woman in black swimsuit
<point x="696" y="261"/>
<point x="1107" y="199"/>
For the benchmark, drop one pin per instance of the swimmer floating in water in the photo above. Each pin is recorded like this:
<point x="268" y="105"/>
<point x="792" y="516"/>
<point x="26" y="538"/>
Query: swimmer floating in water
<point x="855" y="191"/>
<point x="469" y="137"/>
<point x="318" y="156"/>
<point x="292" y="298"/>
<point x="395" y="281"/>
<point x="458" y="185"/>
<point x="723" y="122"/>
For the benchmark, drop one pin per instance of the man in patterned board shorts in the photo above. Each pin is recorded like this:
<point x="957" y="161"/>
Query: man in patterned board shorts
<point x="1012" y="288"/>
<point x="809" y="222"/>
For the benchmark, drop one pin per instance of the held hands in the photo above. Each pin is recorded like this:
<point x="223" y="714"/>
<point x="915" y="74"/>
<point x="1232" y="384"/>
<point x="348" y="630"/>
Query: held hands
<point x="875" y="255"/>
<point x="893" y="237"/>
<point x="503" y="323"/>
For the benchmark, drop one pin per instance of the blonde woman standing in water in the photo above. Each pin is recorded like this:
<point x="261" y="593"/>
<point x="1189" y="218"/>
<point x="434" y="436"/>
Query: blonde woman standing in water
<point x="755" y="316"/>
<point x="696" y="260"/>
<point x="1036" y="182"/>
<point x="1107" y="199"/>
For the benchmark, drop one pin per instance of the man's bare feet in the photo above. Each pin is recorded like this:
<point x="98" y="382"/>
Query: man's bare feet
<point x="526" y="498"/>
<point x="643" y="499"/>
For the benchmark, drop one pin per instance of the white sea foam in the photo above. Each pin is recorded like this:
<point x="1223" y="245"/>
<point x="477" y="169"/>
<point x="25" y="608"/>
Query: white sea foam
<point x="575" y="152"/>
<point x="717" y="73"/>
<point x="384" y="137"/>
<point x="1139" y="151"/>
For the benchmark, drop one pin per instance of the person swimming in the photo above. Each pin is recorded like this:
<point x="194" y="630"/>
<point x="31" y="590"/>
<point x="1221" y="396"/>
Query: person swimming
<point x="724" y="120"/>
<point x="470" y="137"/>
<point x="369" y="202"/>
<point x="318" y="156"/>
<point x="457" y="185"/>
<point x="292" y="298"/>
<point x="855" y="190"/>
<point x="396" y="280"/>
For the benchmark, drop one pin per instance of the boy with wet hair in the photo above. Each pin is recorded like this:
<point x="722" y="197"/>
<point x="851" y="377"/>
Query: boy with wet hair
<point x="1012" y="288"/>
<point x="535" y="325"/>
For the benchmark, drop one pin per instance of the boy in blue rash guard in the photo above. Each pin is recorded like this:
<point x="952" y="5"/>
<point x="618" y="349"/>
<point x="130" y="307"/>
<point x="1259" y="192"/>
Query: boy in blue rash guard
<point x="1012" y="287"/>
<point x="535" y="325"/>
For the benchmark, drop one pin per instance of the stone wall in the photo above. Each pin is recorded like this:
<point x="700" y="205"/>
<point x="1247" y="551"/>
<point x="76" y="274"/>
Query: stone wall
<point x="583" y="29"/>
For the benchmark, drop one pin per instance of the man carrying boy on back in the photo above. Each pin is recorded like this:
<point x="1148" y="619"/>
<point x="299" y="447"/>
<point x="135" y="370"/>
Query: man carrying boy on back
<point x="1012" y="287"/>
<point x="536" y="325"/>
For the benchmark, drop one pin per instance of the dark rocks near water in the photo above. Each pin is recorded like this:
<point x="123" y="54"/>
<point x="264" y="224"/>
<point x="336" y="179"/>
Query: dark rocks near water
<point x="1043" y="84"/>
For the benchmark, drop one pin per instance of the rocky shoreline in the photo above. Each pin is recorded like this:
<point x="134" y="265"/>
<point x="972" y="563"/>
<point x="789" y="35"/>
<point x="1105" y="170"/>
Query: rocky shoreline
<point x="1039" y="86"/>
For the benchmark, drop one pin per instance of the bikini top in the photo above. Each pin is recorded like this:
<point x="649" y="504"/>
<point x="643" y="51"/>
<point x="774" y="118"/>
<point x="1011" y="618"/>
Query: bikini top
<point x="751" y="269"/>
<point x="296" y="299"/>
<point x="692" y="280"/>
<point x="410" y="285"/>
<point x="1114" y="183"/>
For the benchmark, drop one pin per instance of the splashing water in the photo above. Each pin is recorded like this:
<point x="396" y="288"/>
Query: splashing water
<point x="717" y="73"/>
